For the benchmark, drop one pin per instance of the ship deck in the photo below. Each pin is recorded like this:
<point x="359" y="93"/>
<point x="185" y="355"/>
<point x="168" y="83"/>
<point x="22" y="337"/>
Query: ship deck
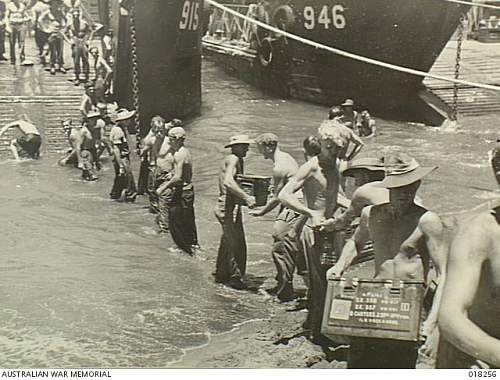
<point x="479" y="63"/>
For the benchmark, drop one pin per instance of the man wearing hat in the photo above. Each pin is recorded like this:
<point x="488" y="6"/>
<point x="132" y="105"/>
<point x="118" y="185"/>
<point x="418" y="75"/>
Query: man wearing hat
<point x="406" y="237"/>
<point x="232" y="256"/>
<point x="182" y="220"/>
<point x="349" y="117"/>
<point x="124" y="188"/>
<point x="469" y="321"/>
<point x="319" y="179"/>
<point x="286" y="228"/>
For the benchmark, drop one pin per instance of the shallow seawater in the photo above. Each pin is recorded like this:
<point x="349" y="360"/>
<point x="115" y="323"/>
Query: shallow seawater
<point x="88" y="282"/>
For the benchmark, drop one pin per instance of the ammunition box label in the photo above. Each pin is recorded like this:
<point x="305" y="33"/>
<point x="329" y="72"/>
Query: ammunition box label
<point x="340" y="309"/>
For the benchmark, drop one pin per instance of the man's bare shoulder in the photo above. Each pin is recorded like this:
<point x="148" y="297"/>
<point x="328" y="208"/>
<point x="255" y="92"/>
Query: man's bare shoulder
<point x="230" y="159"/>
<point x="430" y="222"/>
<point x="371" y="194"/>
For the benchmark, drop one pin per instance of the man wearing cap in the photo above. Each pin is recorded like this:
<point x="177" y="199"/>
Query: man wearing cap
<point x="286" y="231"/>
<point x="124" y="188"/>
<point x="319" y="179"/>
<point x="182" y="220"/>
<point x="232" y="255"/>
<point x="406" y="237"/>
<point x="163" y="156"/>
<point x="468" y="317"/>
<point x="28" y="143"/>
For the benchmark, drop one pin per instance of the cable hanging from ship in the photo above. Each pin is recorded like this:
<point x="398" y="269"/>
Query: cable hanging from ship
<point x="480" y="5"/>
<point x="353" y="56"/>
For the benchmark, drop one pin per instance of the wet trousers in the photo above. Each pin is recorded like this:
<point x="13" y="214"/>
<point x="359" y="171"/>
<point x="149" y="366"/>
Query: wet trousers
<point x="376" y="353"/>
<point x="161" y="203"/>
<point x="142" y="181"/>
<point x="287" y="251"/>
<point x="41" y="39"/>
<point x="56" y="43"/>
<point x="182" y="220"/>
<point x="17" y="35"/>
<point x="313" y="249"/>
<point x="80" y="56"/>
<point x="2" y="39"/>
<point x="232" y="254"/>
<point x="123" y="182"/>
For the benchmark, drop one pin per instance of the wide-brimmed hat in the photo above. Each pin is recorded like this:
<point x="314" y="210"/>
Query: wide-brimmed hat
<point x="93" y="114"/>
<point x="348" y="103"/>
<point x="368" y="163"/>
<point x="124" y="114"/>
<point x="239" y="139"/>
<point x="402" y="170"/>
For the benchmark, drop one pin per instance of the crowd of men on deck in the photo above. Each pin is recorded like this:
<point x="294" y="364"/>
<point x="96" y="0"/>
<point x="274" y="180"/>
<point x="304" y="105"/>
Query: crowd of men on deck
<point x="309" y="233"/>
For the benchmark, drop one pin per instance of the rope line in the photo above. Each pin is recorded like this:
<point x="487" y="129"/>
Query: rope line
<point x="352" y="55"/>
<point x="480" y="5"/>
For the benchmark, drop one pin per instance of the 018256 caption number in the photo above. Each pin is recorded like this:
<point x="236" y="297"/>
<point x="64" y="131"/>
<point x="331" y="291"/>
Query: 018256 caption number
<point x="482" y="373"/>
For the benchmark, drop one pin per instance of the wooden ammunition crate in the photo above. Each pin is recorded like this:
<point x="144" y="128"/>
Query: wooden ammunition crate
<point x="256" y="186"/>
<point x="390" y="309"/>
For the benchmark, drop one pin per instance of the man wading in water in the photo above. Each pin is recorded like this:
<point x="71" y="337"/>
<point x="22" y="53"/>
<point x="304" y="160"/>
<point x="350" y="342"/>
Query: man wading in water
<point x="124" y="188"/>
<point x="232" y="255"/>
<point x="469" y="315"/>
<point x="164" y="164"/>
<point x="148" y="155"/>
<point x="287" y="226"/>
<point x="181" y="219"/>
<point x="28" y="143"/>
<point x="405" y="238"/>
<point x="319" y="178"/>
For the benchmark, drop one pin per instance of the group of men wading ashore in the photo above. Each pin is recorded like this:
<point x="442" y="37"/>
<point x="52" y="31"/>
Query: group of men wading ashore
<point x="462" y="328"/>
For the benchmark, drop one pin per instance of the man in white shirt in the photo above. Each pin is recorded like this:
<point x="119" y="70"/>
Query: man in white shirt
<point x="16" y="18"/>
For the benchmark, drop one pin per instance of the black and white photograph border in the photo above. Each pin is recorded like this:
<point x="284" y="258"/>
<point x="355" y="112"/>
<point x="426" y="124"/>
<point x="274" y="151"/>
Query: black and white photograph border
<point x="240" y="184"/>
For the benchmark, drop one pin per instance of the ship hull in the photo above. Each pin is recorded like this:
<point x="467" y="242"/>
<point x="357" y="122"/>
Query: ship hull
<point x="168" y="40"/>
<point x="411" y="34"/>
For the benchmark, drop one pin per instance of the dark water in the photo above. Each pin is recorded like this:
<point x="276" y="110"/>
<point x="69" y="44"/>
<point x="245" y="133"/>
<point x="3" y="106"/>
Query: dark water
<point x="87" y="282"/>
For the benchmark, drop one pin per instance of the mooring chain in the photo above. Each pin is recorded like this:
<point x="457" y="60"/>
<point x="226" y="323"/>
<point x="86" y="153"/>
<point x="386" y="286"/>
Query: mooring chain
<point x="460" y="37"/>
<point x="135" y="67"/>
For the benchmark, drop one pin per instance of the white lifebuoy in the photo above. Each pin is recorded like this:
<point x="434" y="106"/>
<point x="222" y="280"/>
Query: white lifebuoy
<point x="283" y="17"/>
